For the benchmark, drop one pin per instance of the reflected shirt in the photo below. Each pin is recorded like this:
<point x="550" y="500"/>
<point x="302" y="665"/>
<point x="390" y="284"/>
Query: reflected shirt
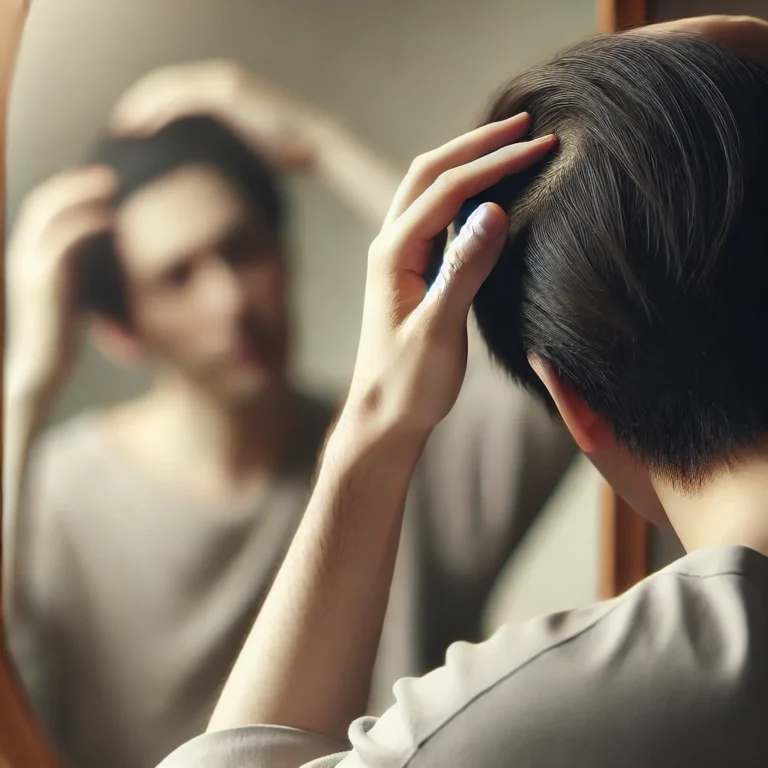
<point x="134" y="603"/>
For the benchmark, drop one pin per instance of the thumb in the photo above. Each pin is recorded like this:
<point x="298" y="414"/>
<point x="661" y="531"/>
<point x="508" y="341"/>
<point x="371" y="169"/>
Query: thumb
<point x="467" y="263"/>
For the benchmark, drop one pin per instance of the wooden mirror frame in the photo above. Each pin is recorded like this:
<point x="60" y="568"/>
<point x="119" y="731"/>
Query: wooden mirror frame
<point x="626" y="537"/>
<point x="22" y="744"/>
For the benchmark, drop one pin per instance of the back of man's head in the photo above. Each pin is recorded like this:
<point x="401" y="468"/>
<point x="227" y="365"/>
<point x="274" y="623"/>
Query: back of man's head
<point x="638" y="263"/>
<point x="139" y="161"/>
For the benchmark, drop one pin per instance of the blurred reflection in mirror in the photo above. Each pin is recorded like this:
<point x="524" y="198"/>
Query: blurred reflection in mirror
<point x="148" y="531"/>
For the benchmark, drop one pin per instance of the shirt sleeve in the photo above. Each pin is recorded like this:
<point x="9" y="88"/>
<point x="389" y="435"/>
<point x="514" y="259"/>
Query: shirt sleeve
<point x="39" y="584"/>
<point x="663" y="675"/>
<point x="426" y="708"/>
<point x="257" y="746"/>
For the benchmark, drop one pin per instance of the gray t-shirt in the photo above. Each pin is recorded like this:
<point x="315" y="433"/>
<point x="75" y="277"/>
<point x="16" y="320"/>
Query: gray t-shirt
<point x="673" y="673"/>
<point x="133" y="603"/>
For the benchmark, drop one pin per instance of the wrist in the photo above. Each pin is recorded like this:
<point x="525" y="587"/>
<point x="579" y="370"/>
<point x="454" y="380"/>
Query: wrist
<point x="231" y="90"/>
<point x="365" y="427"/>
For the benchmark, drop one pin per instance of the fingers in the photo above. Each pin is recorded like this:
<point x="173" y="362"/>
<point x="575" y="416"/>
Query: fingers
<point x="67" y="190"/>
<point x="145" y="101"/>
<point x="174" y="92"/>
<point x="72" y="230"/>
<point x="59" y="217"/>
<point x="466" y="265"/>
<point x="745" y="35"/>
<point x="426" y="168"/>
<point x="436" y="208"/>
<point x="144" y="115"/>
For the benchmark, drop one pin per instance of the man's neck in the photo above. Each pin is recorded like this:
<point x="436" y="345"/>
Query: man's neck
<point x="731" y="509"/>
<point x="221" y="450"/>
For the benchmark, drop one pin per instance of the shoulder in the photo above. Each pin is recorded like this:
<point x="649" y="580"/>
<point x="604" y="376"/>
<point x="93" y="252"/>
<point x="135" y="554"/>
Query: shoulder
<point x="63" y="465"/>
<point x="623" y="682"/>
<point x="270" y="746"/>
<point x="67" y="454"/>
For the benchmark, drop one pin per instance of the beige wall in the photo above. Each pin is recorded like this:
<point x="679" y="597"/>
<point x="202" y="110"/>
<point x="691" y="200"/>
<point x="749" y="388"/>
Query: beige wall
<point x="406" y="73"/>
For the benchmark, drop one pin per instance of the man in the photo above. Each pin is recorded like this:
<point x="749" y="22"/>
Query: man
<point x="615" y="291"/>
<point x="149" y="532"/>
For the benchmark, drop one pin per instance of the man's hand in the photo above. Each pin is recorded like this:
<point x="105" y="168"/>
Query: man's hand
<point x="308" y="660"/>
<point x="745" y="35"/>
<point x="289" y="134"/>
<point x="55" y="222"/>
<point x="279" y="127"/>
<point x="413" y="345"/>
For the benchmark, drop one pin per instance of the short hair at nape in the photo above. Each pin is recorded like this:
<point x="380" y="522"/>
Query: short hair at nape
<point x="637" y="266"/>
<point x="140" y="160"/>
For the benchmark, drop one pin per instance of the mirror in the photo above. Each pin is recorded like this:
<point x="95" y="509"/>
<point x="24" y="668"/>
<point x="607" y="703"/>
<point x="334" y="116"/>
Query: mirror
<point x="192" y="189"/>
<point x="169" y="464"/>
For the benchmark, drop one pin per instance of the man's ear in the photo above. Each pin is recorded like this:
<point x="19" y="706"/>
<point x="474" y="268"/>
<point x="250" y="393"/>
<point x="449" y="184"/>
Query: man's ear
<point x="117" y="342"/>
<point x="590" y="432"/>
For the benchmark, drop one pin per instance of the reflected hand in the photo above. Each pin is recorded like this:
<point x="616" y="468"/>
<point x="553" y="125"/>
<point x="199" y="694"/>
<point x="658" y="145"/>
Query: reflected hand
<point x="412" y="354"/>
<point x="278" y="126"/>
<point x="745" y="35"/>
<point x="55" y="222"/>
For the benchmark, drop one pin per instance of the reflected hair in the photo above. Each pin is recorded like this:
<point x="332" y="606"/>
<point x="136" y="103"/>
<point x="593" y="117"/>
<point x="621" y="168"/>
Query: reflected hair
<point x="637" y="265"/>
<point x="139" y="161"/>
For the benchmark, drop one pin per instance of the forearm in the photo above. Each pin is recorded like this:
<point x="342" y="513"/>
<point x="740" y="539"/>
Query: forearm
<point x="343" y="162"/>
<point x="25" y="412"/>
<point x="308" y="660"/>
<point x="361" y="178"/>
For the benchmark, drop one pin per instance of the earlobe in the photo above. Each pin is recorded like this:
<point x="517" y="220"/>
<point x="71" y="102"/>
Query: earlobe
<point x="117" y="343"/>
<point x="590" y="432"/>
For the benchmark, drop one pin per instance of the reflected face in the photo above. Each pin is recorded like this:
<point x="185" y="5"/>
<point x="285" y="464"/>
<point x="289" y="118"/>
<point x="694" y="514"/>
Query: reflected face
<point x="206" y="282"/>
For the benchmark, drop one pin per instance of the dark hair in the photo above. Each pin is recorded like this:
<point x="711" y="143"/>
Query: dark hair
<point x="138" y="161"/>
<point x="637" y="266"/>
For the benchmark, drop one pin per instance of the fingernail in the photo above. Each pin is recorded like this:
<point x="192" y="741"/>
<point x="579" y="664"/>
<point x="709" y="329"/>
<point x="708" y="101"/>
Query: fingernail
<point x="486" y="222"/>
<point x="548" y="139"/>
<point x="518" y="118"/>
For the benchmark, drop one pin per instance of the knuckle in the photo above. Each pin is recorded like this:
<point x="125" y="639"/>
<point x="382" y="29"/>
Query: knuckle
<point x="425" y="168"/>
<point x="421" y="164"/>
<point x="450" y="183"/>
<point x="37" y="196"/>
<point x="378" y="249"/>
<point x="228" y="73"/>
<point x="446" y="180"/>
<point x="48" y="189"/>
<point x="458" y="254"/>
